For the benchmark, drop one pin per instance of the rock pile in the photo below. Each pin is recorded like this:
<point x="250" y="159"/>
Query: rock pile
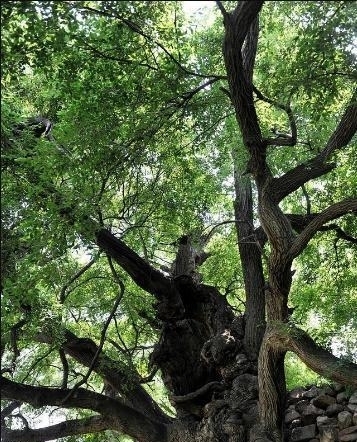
<point x="325" y="414"/>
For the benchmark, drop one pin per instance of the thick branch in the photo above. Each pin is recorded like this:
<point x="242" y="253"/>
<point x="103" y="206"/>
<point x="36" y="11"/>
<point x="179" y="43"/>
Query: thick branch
<point x="332" y="212"/>
<point x="249" y="49"/>
<point x="299" y="175"/>
<point x="345" y="130"/>
<point x="126" y="383"/>
<point x="237" y="25"/>
<point x="211" y="386"/>
<point x="126" y="419"/>
<point x="221" y="8"/>
<point x="299" y="223"/>
<point x="251" y="258"/>
<point x="143" y="274"/>
<point x="93" y="424"/>
<point x="317" y="166"/>
<point x="242" y="18"/>
<point x="321" y="361"/>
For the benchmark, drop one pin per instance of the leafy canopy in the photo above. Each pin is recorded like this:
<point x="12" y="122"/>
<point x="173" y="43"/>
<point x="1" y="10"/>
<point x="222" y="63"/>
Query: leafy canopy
<point x="143" y="141"/>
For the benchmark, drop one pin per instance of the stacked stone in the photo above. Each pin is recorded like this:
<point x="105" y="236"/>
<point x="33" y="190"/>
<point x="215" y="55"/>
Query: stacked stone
<point x="325" y="414"/>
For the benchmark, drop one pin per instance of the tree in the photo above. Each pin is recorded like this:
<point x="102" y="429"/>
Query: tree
<point x="129" y="174"/>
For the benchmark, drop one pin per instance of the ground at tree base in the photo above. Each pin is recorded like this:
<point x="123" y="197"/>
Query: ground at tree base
<point x="321" y="414"/>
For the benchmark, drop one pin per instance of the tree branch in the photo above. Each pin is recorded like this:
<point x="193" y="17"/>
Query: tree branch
<point x="81" y="271"/>
<point x="249" y="49"/>
<point x="211" y="386"/>
<point x="299" y="223"/>
<point x="65" y="368"/>
<point x="278" y="141"/>
<point x="332" y="212"/>
<point x="93" y="424"/>
<point x="317" y="166"/>
<point x="251" y="258"/>
<point x="299" y="175"/>
<point x="143" y="274"/>
<point x="243" y="16"/>
<point x="113" y="58"/>
<point x="124" y="418"/>
<point x="221" y="8"/>
<point x="125" y="381"/>
<point x="137" y="29"/>
<point x="9" y="409"/>
<point x="237" y="25"/>
<point x="344" y="131"/>
<point x="185" y="97"/>
<point x="288" y="337"/>
<point x="102" y="339"/>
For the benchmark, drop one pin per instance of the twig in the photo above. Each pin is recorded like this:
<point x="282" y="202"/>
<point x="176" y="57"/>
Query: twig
<point x="136" y="28"/>
<point x="291" y="141"/>
<point x="80" y="272"/>
<point x="307" y="198"/>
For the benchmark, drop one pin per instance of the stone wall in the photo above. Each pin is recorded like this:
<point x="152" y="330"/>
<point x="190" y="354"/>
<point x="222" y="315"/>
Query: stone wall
<point x="321" y="414"/>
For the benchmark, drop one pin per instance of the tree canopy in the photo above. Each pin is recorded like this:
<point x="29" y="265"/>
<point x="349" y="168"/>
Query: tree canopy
<point x="178" y="216"/>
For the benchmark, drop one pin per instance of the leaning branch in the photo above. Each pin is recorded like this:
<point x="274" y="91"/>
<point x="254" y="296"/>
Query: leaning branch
<point x="72" y="427"/>
<point x="124" y="381"/>
<point x="344" y="131"/>
<point x="287" y="337"/>
<point x="125" y="418"/>
<point x="332" y="212"/>
<point x="143" y="274"/>
<point x="318" y="165"/>
<point x="298" y="176"/>
<point x="221" y="8"/>
<point x="299" y="223"/>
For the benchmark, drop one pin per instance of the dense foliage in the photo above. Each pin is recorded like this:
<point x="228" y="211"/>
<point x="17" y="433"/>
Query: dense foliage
<point x="145" y="144"/>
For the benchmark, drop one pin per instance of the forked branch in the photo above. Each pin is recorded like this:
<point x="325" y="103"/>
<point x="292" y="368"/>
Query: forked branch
<point x="332" y="212"/>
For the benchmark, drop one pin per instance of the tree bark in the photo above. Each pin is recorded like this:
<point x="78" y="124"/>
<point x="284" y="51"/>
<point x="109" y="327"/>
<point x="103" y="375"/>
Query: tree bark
<point x="71" y="427"/>
<point x="251" y="261"/>
<point x="125" y="419"/>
